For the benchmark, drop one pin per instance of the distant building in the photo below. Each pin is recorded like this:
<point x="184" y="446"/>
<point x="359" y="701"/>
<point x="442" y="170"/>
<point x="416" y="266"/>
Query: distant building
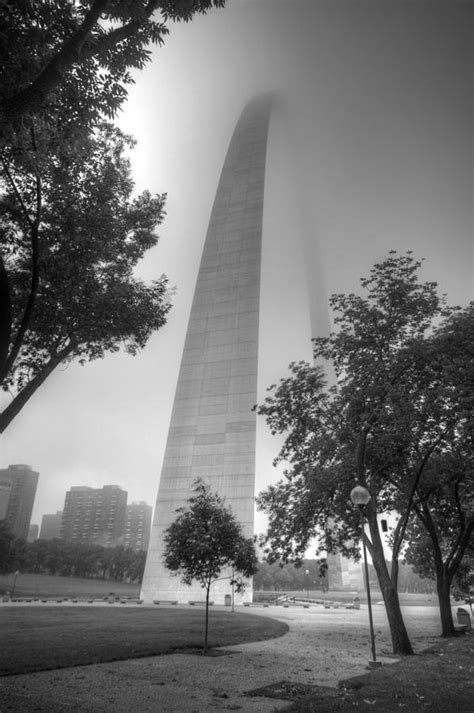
<point x="137" y="526"/>
<point x="33" y="533"/>
<point x="51" y="526"/>
<point x="5" y="490"/>
<point x="18" y="485"/>
<point x="344" y="574"/>
<point x="94" y="515"/>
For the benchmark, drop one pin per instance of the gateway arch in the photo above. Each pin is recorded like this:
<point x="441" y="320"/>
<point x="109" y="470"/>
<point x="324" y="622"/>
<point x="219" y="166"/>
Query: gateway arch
<point x="212" y="432"/>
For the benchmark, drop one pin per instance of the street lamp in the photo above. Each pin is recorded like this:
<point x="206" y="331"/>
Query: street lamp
<point x="307" y="586"/>
<point x="360" y="496"/>
<point x="233" y="590"/>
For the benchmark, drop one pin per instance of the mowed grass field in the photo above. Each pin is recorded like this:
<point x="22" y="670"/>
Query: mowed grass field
<point x="45" y="586"/>
<point x="41" y="637"/>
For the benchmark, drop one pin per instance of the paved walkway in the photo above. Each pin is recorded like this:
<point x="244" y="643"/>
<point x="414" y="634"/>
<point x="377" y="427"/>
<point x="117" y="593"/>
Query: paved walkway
<point x="322" y="647"/>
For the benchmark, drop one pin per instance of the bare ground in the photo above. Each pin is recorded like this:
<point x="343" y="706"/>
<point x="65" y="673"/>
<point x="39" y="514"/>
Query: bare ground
<point x="322" y="647"/>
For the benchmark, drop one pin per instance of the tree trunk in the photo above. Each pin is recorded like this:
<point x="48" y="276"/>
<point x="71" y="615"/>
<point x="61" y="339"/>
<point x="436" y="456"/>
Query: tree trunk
<point x="443" y="588"/>
<point x="206" y="628"/>
<point x="400" y="640"/>
<point x="5" y="318"/>
<point x="445" y="569"/>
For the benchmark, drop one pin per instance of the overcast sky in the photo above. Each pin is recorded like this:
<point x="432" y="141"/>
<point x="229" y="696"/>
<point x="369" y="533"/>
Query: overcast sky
<point x="370" y="149"/>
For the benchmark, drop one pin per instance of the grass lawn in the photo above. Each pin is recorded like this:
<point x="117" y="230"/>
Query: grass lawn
<point x="41" y="637"/>
<point x="44" y="585"/>
<point x="439" y="680"/>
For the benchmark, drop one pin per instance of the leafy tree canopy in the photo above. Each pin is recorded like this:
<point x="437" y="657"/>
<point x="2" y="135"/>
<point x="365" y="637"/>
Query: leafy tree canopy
<point x="72" y="238"/>
<point x="402" y="396"/>
<point x="205" y="538"/>
<point x="69" y="559"/>
<point x="10" y="549"/>
<point x="439" y="539"/>
<point x="67" y="64"/>
<point x="65" y="69"/>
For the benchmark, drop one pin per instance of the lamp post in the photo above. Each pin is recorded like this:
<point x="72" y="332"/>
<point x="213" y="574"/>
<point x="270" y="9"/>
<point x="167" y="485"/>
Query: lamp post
<point x="233" y="590"/>
<point x="360" y="496"/>
<point x="307" y="585"/>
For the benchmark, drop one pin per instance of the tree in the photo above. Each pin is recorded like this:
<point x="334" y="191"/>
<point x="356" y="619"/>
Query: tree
<point x="464" y="578"/>
<point x="68" y="63"/>
<point x="411" y="581"/>
<point x="206" y="538"/>
<point x="8" y="550"/>
<point x="137" y="567"/>
<point x="440" y="536"/>
<point x="371" y="428"/>
<point x="442" y="520"/>
<point x="69" y="268"/>
<point x="76" y="559"/>
<point x="65" y="68"/>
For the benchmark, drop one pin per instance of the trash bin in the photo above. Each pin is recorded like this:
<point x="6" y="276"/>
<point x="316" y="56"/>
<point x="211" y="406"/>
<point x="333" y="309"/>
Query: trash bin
<point x="356" y="603"/>
<point x="464" y="618"/>
<point x="227" y="600"/>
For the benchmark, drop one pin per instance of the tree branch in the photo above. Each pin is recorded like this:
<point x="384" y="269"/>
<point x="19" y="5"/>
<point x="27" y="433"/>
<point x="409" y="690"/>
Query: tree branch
<point x="14" y="408"/>
<point x="403" y="522"/>
<point x="360" y="452"/>
<point x="424" y="514"/>
<point x="5" y="318"/>
<point x="11" y="180"/>
<point x="32" y="96"/>
<point x="34" y="238"/>
<point x="453" y="559"/>
<point x="121" y="33"/>
<point x="459" y="548"/>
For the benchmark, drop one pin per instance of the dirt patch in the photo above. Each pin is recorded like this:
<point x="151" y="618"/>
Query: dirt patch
<point x="209" y="653"/>
<point x="439" y="680"/>
<point x="288" y="691"/>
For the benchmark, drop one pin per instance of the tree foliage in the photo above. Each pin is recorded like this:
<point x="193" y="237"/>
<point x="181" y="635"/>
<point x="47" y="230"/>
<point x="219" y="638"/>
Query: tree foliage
<point x="439" y="540"/>
<point x="380" y="425"/>
<point x="311" y="576"/>
<point x="70" y="559"/>
<point x="278" y="576"/>
<point x="206" y="539"/>
<point x="11" y="550"/>
<point x="67" y="65"/>
<point x="71" y="239"/>
<point x="441" y="525"/>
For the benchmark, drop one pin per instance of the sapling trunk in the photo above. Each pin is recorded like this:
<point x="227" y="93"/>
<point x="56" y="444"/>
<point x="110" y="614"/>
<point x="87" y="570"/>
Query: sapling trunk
<point x="206" y="628"/>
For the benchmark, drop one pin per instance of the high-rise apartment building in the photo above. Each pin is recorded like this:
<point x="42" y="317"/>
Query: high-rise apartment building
<point x="212" y="433"/>
<point x="18" y="485"/>
<point x="94" y="515"/>
<point x="136" y="533"/>
<point x="51" y="525"/>
<point x="33" y="533"/>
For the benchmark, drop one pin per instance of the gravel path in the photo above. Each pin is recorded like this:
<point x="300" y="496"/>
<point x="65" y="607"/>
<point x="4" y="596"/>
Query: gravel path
<point x="322" y="647"/>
